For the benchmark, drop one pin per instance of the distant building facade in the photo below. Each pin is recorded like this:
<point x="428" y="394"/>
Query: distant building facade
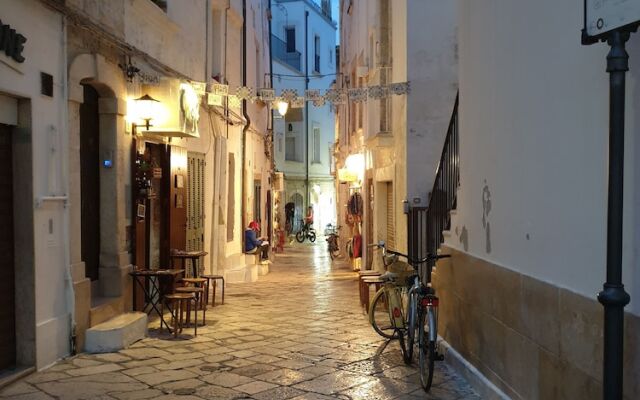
<point x="303" y="51"/>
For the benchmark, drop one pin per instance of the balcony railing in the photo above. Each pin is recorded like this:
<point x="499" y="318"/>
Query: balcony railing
<point x="279" y="51"/>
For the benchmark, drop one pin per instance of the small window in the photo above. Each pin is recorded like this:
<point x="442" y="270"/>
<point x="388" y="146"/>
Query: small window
<point x="290" y="36"/>
<point x="290" y="149"/>
<point x="316" y="145"/>
<point x="316" y="66"/>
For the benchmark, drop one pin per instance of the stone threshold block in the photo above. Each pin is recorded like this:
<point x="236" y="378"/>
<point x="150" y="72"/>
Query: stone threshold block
<point x="117" y="333"/>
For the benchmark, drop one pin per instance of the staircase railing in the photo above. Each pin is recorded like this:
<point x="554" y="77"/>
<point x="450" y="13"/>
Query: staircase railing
<point x="427" y="224"/>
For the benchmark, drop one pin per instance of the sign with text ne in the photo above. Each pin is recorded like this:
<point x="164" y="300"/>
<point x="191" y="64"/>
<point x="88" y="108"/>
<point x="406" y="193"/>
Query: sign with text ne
<point x="602" y="16"/>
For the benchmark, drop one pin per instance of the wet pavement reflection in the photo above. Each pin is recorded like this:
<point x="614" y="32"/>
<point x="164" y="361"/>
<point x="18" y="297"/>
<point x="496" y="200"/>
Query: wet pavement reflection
<point x="298" y="333"/>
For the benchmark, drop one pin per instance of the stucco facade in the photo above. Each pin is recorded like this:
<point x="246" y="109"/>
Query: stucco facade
<point x="530" y="225"/>
<point x="400" y="137"/>
<point x="86" y="47"/>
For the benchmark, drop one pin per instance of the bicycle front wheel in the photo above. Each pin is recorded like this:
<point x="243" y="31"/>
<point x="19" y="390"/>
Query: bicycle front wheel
<point x="379" y="316"/>
<point x="300" y="236"/>
<point x="427" y="349"/>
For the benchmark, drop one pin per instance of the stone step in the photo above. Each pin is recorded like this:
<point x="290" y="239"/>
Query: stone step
<point x="117" y="333"/>
<point x="105" y="308"/>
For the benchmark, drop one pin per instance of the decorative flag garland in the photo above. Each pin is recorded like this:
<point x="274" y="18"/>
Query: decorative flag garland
<point x="314" y="96"/>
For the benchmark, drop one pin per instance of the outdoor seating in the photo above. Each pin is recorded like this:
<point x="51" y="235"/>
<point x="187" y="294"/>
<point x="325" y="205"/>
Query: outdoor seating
<point x="178" y="303"/>
<point x="215" y="279"/>
<point x="198" y="293"/>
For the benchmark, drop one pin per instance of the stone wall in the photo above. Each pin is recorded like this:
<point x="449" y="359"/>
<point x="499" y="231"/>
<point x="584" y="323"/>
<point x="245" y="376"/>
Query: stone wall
<point x="532" y="339"/>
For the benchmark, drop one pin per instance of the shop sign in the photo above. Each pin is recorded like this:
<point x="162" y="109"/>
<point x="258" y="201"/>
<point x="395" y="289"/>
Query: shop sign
<point x="11" y="42"/>
<point x="602" y="16"/>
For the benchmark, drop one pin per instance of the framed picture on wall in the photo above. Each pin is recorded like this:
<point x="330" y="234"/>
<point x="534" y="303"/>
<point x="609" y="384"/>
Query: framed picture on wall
<point x="141" y="211"/>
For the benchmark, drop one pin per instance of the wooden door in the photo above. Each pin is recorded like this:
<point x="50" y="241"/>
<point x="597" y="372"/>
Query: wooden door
<point x="195" y="202"/>
<point x="7" y="266"/>
<point x="90" y="182"/>
<point x="177" y="210"/>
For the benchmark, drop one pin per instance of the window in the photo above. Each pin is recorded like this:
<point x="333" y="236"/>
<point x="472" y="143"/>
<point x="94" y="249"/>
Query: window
<point x="290" y="37"/>
<point x="316" y="144"/>
<point x="290" y="149"/>
<point x="316" y="45"/>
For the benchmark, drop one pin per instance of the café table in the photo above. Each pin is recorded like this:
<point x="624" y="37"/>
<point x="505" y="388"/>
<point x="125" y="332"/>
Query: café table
<point x="194" y="256"/>
<point x="155" y="283"/>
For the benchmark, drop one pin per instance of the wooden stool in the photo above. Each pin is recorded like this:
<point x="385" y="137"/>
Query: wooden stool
<point x="178" y="301"/>
<point x="199" y="282"/>
<point x="367" y="282"/>
<point x="198" y="293"/>
<point x="361" y="286"/>
<point x="215" y="279"/>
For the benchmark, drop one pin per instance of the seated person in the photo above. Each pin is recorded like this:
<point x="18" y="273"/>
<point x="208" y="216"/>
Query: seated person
<point x="252" y="242"/>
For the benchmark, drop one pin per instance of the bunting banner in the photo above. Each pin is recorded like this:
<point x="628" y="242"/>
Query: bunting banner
<point x="298" y="102"/>
<point x="216" y="93"/>
<point x="244" y="93"/>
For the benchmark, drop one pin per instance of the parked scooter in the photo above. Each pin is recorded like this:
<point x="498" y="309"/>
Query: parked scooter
<point x="332" y="241"/>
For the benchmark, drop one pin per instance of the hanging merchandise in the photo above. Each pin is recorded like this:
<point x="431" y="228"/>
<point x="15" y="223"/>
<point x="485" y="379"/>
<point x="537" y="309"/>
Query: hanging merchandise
<point x="355" y="205"/>
<point x="357" y="246"/>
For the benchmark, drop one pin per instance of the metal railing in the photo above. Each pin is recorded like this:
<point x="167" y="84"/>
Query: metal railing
<point x="427" y="224"/>
<point x="279" y="51"/>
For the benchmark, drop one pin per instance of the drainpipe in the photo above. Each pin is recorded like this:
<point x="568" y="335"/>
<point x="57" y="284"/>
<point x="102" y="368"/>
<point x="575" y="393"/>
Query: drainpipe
<point x="247" y="122"/>
<point x="224" y="67"/>
<point x="70" y="294"/>
<point x="306" y="107"/>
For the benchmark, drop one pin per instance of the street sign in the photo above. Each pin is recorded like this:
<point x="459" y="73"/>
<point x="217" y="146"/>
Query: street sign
<point x="602" y="16"/>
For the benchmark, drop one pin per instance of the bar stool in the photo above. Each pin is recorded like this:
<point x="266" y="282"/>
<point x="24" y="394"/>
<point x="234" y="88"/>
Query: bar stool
<point x="361" y="286"/>
<point x="367" y="282"/>
<point x="179" y="301"/>
<point x="215" y="279"/>
<point x="199" y="282"/>
<point x="198" y="293"/>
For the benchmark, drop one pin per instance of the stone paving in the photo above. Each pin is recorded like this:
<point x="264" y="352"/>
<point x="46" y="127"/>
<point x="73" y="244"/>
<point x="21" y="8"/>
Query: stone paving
<point x="298" y="333"/>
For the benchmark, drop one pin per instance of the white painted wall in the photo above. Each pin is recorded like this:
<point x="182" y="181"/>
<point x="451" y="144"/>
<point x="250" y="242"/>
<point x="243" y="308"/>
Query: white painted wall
<point x="43" y="52"/>
<point x="534" y="131"/>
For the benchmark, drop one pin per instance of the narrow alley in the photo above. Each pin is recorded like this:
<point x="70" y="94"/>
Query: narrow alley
<point x="297" y="333"/>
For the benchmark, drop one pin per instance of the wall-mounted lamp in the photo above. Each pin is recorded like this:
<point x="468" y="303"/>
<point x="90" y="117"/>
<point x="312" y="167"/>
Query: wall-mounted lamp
<point x="146" y="109"/>
<point x="283" y="107"/>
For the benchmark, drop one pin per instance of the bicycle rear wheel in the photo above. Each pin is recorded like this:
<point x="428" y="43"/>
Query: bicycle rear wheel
<point x="379" y="316"/>
<point x="427" y="350"/>
<point x="300" y="236"/>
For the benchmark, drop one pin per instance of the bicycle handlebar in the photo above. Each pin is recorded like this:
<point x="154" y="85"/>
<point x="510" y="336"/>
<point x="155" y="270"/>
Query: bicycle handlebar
<point x="412" y="261"/>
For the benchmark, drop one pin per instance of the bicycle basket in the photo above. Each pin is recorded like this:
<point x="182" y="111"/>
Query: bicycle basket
<point x="402" y="269"/>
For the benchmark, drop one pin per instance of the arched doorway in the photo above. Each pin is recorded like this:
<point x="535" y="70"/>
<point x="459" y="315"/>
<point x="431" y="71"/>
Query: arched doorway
<point x="90" y="181"/>
<point x="298" y="201"/>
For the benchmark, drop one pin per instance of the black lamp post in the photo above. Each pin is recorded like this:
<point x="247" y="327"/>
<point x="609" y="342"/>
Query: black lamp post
<point x="613" y="296"/>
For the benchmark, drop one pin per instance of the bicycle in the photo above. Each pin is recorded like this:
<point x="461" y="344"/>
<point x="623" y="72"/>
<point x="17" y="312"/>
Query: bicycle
<point x="332" y="242"/>
<point x="306" y="232"/>
<point x="414" y="300"/>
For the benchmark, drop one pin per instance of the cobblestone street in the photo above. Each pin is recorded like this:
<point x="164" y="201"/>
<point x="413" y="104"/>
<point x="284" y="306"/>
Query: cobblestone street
<point x="297" y="333"/>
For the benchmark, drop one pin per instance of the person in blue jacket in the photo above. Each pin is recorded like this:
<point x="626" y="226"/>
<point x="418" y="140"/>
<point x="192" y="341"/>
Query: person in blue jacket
<point x="252" y="243"/>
